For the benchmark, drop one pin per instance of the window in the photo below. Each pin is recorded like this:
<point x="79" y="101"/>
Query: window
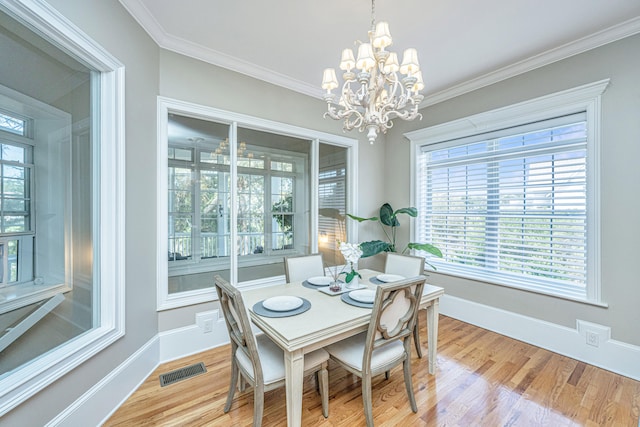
<point x="241" y="194"/>
<point x="61" y="200"/>
<point x="10" y="122"/>
<point x="16" y="225"/>
<point x="516" y="205"/>
<point x="199" y="190"/>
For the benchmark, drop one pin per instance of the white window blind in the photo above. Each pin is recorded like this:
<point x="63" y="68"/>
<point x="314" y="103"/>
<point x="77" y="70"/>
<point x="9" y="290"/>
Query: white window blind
<point x="510" y="206"/>
<point x="332" y="196"/>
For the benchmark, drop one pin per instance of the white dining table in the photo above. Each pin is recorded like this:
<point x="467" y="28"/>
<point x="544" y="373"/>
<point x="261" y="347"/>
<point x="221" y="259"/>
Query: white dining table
<point x="327" y="321"/>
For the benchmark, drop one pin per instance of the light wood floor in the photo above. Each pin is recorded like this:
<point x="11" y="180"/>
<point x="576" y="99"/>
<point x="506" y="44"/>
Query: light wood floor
<point x="483" y="379"/>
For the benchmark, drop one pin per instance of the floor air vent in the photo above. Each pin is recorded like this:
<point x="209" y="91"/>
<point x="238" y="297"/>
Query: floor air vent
<point x="182" y="374"/>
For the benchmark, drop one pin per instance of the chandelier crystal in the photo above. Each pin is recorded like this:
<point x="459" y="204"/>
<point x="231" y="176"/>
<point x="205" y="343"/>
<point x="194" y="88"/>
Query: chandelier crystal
<point x="376" y="88"/>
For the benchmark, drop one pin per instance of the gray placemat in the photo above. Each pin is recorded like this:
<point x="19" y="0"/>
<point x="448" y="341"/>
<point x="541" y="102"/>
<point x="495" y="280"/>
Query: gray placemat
<point x="259" y="309"/>
<point x="375" y="281"/>
<point x="306" y="284"/>
<point x="346" y="298"/>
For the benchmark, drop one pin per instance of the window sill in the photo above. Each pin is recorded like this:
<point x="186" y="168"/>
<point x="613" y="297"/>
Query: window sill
<point x="223" y="263"/>
<point x="521" y="288"/>
<point x="199" y="296"/>
<point x="18" y="296"/>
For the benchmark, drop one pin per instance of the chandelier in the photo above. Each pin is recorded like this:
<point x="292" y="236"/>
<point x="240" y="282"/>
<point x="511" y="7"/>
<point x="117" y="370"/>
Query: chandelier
<point x="373" y="93"/>
<point x="223" y="148"/>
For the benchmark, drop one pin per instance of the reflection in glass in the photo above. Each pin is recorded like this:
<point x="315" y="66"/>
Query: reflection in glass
<point x="199" y="196"/>
<point x="46" y="153"/>
<point x="332" y="202"/>
<point x="273" y="202"/>
<point x="262" y="200"/>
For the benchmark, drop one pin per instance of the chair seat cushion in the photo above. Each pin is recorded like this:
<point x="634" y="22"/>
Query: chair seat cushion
<point x="351" y="350"/>
<point x="272" y="360"/>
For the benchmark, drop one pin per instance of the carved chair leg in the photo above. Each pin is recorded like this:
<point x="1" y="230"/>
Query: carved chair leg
<point x="258" y="404"/>
<point x="367" y="400"/>
<point x="323" y="383"/>
<point x="243" y="383"/>
<point x="232" y="385"/>
<point x="416" y="336"/>
<point x="407" y="382"/>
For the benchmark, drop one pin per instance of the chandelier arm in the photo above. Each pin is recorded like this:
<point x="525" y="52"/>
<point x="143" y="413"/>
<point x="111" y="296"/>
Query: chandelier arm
<point x="351" y="100"/>
<point x="394" y="84"/>
<point x="353" y="119"/>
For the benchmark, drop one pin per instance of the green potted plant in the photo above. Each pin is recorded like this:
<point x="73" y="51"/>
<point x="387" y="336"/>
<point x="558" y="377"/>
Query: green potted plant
<point x="389" y="223"/>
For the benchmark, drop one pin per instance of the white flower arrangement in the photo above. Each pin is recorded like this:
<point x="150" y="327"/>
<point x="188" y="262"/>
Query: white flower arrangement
<point x="351" y="253"/>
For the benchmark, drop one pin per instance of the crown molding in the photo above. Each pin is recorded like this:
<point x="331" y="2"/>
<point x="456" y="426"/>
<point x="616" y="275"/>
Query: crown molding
<point x="608" y="35"/>
<point x="194" y="50"/>
<point x="166" y="41"/>
<point x="145" y="18"/>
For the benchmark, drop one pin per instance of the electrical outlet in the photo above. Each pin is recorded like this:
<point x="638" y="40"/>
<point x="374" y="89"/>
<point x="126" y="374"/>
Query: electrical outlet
<point x="206" y="320"/>
<point x="207" y="326"/>
<point x="592" y="338"/>
<point x="594" y="334"/>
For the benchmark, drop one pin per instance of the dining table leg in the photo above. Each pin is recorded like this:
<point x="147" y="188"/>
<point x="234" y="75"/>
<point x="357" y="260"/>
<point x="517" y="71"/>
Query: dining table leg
<point x="432" y="334"/>
<point x="294" y="373"/>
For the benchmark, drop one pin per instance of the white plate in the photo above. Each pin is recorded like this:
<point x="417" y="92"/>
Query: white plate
<point x="319" y="280"/>
<point x="389" y="277"/>
<point x="363" y="295"/>
<point x="282" y="303"/>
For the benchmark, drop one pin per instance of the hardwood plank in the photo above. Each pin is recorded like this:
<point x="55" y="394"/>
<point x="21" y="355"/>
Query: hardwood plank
<point x="483" y="379"/>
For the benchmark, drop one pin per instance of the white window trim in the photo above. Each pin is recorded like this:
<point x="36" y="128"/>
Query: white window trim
<point x="582" y="98"/>
<point x="167" y="301"/>
<point x="109" y="184"/>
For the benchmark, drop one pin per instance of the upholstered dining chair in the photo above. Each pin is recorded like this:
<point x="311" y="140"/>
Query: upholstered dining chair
<point x="404" y="265"/>
<point x="387" y="342"/>
<point x="258" y="359"/>
<point x="301" y="267"/>
<point x="407" y="266"/>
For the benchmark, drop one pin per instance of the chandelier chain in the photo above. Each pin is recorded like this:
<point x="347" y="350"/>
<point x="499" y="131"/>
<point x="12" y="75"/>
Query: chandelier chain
<point x="373" y="15"/>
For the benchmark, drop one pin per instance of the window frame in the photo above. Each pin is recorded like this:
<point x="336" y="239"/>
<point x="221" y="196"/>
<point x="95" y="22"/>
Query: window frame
<point x="166" y="106"/>
<point x="24" y="257"/>
<point x="107" y="85"/>
<point x="585" y="98"/>
<point x="27" y="123"/>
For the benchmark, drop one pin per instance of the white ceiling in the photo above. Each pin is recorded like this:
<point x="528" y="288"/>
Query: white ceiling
<point x="462" y="44"/>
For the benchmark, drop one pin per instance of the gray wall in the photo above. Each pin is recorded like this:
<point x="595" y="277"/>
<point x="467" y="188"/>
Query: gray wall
<point x="620" y="175"/>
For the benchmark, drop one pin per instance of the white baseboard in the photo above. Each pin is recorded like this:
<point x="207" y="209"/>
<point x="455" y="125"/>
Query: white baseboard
<point x="181" y="342"/>
<point x="98" y="403"/>
<point x="612" y="355"/>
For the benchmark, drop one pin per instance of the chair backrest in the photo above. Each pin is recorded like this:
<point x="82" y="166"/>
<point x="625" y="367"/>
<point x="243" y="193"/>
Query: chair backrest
<point x="299" y="268"/>
<point x="394" y="314"/>
<point x="404" y="265"/>
<point x="238" y="324"/>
